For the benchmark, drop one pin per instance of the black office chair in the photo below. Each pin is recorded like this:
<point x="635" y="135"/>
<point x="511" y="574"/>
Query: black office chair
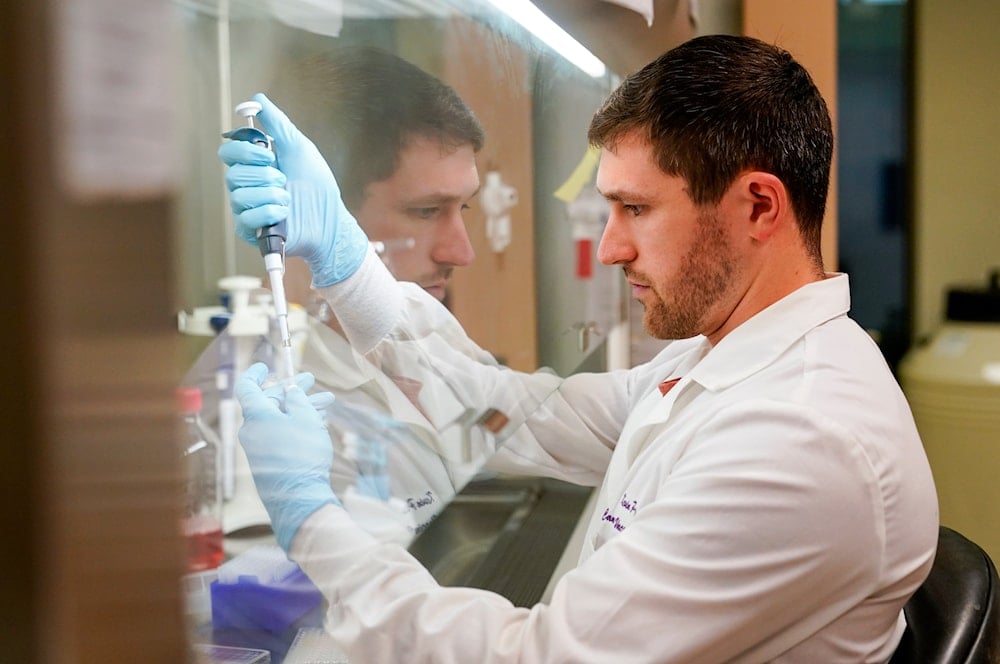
<point x="954" y="617"/>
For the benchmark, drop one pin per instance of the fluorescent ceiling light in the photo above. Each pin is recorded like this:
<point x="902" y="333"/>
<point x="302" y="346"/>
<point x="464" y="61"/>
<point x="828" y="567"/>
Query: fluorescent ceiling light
<point x="540" y="25"/>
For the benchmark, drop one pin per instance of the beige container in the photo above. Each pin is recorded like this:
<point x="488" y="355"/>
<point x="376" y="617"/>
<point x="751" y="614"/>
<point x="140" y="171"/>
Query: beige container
<point x="953" y="386"/>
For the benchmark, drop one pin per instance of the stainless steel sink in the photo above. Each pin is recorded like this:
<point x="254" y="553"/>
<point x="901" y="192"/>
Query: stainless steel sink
<point x="504" y="535"/>
<point x="458" y="541"/>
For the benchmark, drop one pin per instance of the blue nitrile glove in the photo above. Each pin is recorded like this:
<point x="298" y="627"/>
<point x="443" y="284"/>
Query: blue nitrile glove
<point x="299" y="187"/>
<point x="305" y="382"/>
<point x="289" y="451"/>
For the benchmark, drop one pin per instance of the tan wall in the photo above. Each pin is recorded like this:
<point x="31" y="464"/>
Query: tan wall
<point x="720" y="17"/>
<point x="955" y="143"/>
<point x="808" y="30"/>
<point x="494" y="297"/>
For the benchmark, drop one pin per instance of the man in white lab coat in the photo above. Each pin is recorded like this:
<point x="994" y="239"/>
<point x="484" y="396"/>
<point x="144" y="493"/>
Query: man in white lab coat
<point x="764" y="495"/>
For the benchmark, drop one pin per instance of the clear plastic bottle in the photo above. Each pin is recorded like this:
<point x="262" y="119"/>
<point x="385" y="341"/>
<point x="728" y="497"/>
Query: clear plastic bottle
<point x="202" y="525"/>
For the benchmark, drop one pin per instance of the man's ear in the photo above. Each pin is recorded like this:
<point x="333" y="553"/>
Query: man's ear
<point x="767" y="203"/>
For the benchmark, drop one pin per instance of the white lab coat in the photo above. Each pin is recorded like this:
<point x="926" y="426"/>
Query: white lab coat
<point x="439" y="448"/>
<point x="430" y="458"/>
<point x="776" y="505"/>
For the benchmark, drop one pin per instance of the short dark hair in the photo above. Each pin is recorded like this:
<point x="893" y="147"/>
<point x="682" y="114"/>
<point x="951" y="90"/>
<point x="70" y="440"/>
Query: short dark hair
<point x="718" y="105"/>
<point x="362" y="105"/>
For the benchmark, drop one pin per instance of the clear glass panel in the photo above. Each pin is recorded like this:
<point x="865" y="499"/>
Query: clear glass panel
<point x="533" y="296"/>
<point x="541" y="301"/>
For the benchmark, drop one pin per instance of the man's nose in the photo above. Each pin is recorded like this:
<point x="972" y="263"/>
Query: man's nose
<point x="616" y="246"/>
<point x="451" y="243"/>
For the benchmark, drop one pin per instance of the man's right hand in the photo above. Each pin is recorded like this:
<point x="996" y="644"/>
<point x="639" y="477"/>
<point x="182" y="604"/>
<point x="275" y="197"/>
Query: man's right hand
<point x="297" y="186"/>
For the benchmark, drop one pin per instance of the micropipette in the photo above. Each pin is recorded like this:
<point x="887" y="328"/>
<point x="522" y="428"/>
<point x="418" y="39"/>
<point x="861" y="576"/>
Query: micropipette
<point x="270" y="240"/>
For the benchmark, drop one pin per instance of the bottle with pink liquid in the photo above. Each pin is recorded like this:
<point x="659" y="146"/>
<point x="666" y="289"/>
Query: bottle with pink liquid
<point x="202" y="518"/>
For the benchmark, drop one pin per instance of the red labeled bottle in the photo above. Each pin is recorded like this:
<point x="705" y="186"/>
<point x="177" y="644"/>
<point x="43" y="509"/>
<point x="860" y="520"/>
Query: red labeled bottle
<point x="202" y="524"/>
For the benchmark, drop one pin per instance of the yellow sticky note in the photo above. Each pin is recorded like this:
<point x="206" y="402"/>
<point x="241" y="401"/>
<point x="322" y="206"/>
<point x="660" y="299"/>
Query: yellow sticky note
<point x="580" y="176"/>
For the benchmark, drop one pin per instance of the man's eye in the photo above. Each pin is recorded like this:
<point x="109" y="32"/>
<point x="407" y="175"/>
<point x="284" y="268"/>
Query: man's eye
<point x="425" y="213"/>
<point x="634" y="210"/>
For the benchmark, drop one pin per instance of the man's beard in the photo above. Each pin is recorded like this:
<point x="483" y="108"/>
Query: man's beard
<point x="706" y="273"/>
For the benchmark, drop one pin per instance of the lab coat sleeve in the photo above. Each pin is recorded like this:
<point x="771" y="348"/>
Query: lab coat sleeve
<point x="543" y="423"/>
<point x="769" y="527"/>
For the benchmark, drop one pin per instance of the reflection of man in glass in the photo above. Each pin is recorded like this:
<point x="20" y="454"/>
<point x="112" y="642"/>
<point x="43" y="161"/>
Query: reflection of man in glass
<point x="403" y="143"/>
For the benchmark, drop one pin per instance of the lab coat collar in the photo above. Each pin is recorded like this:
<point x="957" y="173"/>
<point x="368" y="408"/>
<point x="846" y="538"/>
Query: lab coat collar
<point x="329" y="357"/>
<point x="341" y="370"/>
<point x="759" y="341"/>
